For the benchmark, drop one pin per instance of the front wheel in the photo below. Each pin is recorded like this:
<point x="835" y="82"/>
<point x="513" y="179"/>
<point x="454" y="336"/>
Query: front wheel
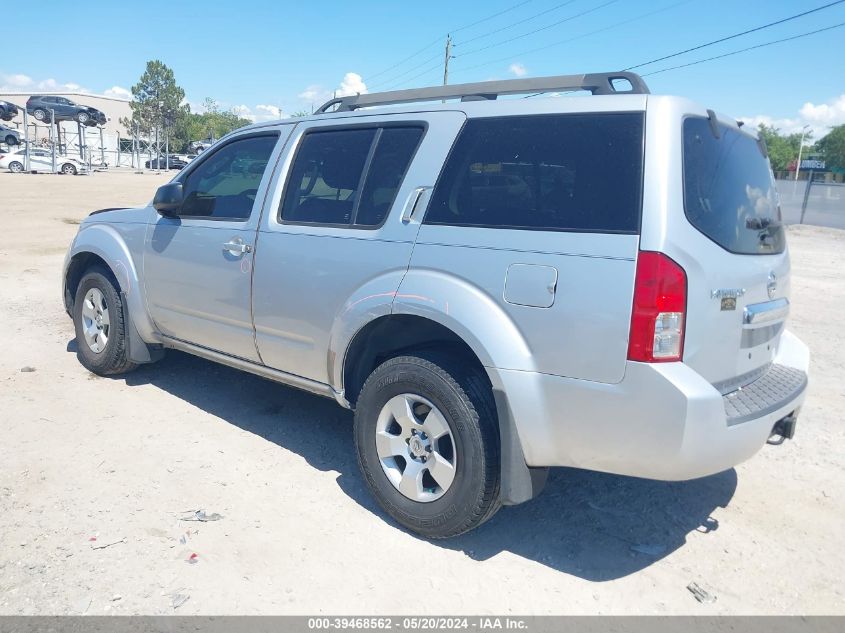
<point x="83" y="117"/>
<point x="427" y="440"/>
<point x="98" y="316"/>
<point x="15" y="167"/>
<point x="11" y="140"/>
<point x="69" y="169"/>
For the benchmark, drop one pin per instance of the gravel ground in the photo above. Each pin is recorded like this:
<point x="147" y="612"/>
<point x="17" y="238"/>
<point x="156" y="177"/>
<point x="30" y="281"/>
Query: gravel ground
<point x="96" y="475"/>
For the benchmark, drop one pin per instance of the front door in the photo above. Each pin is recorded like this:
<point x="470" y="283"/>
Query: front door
<point x="198" y="266"/>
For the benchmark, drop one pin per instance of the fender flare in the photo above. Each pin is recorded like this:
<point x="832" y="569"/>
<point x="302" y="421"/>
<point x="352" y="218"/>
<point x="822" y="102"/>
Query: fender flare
<point x="107" y="244"/>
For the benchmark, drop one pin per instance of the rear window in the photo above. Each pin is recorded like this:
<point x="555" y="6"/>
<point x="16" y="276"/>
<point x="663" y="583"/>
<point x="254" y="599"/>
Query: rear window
<point x="729" y="190"/>
<point x="568" y="172"/>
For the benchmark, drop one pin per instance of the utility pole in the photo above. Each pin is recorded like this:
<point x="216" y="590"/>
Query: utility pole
<point x="800" y="148"/>
<point x="446" y="60"/>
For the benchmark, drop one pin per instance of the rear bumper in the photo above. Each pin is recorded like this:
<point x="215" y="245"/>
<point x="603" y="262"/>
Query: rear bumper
<point x="663" y="421"/>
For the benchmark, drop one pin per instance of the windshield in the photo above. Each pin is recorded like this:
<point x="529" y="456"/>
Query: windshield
<point x="729" y="191"/>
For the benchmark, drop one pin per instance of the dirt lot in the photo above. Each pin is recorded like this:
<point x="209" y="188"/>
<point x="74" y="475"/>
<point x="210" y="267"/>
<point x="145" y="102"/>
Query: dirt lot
<point x="84" y="458"/>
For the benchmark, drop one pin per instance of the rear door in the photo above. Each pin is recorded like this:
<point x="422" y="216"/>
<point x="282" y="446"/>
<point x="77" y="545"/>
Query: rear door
<point x="539" y="215"/>
<point x="723" y="226"/>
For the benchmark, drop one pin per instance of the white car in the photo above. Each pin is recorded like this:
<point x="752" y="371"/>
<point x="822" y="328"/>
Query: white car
<point x="41" y="160"/>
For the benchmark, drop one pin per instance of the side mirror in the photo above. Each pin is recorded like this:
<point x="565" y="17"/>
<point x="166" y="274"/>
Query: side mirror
<point x="168" y="199"/>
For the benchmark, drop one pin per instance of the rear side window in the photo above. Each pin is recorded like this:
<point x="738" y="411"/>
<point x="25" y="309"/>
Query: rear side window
<point x="729" y="190"/>
<point x="568" y="172"/>
<point x="348" y="177"/>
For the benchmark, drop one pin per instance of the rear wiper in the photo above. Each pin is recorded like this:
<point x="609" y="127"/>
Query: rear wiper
<point x="760" y="224"/>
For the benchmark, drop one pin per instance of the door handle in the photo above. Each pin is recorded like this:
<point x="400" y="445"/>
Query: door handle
<point x="237" y="247"/>
<point x="412" y="203"/>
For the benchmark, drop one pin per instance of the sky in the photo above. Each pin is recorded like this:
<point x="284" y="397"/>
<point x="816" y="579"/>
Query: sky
<point x="269" y="59"/>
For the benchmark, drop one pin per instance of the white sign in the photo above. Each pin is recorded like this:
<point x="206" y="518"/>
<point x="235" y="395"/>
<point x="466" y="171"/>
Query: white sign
<point x="812" y="163"/>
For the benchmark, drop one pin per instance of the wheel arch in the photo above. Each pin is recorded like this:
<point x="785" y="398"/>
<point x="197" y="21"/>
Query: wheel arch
<point x="392" y="335"/>
<point x="103" y="245"/>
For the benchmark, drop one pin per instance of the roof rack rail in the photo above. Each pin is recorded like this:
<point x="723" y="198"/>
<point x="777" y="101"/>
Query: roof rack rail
<point x="596" y="83"/>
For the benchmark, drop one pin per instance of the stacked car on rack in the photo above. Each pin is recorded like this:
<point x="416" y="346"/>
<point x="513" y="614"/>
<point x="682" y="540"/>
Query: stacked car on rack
<point x="45" y="108"/>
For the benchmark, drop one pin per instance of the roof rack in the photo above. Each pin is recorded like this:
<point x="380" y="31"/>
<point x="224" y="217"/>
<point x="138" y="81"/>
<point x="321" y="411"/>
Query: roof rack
<point x="596" y="83"/>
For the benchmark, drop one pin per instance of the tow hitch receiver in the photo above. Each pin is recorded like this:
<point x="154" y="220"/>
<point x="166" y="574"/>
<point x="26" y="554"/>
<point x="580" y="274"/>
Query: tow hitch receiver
<point x="783" y="430"/>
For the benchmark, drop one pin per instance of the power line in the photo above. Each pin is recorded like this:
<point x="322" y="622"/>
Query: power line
<point x="408" y="58"/>
<point x="750" y="48"/>
<point x="510" y="26"/>
<point x="490" y="17"/>
<point x="735" y="35"/>
<point x="577" y="37"/>
<point x="393" y="79"/>
<point x="440" y="38"/>
<point x="542" y="28"/>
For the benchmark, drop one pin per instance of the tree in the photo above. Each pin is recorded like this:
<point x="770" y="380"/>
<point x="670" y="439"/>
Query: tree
<point x="211" y="123"/>
<point x="832" y="146"/>
<point x="782" y="149"/>
<point x="157" y="102"/>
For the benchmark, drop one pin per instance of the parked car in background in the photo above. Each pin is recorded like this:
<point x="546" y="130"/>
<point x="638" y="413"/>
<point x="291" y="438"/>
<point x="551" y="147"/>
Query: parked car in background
<point x="495" y="286"/>
<point x="8" y="111"/>
<point x="9" y="136"/>
<point x="162" y="162"/>
<point x="66" y="110"/>
<point x="198" y="147"/>
<point x="41" y="160"/>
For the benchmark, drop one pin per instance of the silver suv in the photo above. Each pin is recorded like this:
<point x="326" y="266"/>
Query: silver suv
<point x="493" y="286"/>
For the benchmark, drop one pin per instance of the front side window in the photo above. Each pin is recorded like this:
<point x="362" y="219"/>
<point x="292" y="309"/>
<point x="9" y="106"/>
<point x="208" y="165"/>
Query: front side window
<point x="573" y="172"/>
<point x="348" y="177"/>
<point x="225" y="184"/>
<point x="729" y="190"/>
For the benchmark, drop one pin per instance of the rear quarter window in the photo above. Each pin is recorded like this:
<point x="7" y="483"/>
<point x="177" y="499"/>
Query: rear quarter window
<point x="572" y="172"/>
<point x="729" y="190"/>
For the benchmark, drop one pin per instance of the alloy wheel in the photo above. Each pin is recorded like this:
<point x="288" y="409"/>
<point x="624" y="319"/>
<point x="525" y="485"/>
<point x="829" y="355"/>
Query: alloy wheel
<point x="416" y="447"/>
<point x="96" y="324"/>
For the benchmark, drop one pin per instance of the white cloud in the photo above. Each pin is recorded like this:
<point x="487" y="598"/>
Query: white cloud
<point x="119" y="92"/>
<point x="351" y="84"/>
<point x="825" y="114"/>
<point x="244" y="112"/>
<point x="261" y="112"/>
<point x="269" y="112"/>
<point x="819" y="117"/>
<point x="315" y="94"/>
<point x="517" y="69"/>
<point x="15" y="82"/>
<point x="18" y="82"/>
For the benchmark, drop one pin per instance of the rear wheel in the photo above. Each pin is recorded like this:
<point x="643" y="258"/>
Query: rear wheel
<point x="98" y="316"/>
<point x="41" y="115"/>
<point x="11" y="140"/>
<point x="15" y="167"/>
<point x="427" y="440"/>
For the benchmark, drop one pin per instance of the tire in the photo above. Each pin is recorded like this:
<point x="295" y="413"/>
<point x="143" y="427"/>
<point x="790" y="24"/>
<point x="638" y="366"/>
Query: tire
<point x="41" y="115"/>
<point x="101" y="343"/>
<point x="11" y="140"/>
<point x="68" y="169"/>
<point x="83" y="117"/>
<point x="15" y="167"/>
<point x="431" y="382"/>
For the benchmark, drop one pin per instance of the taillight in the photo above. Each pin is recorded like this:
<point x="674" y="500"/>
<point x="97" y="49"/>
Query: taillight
<point x="659" y="311"/>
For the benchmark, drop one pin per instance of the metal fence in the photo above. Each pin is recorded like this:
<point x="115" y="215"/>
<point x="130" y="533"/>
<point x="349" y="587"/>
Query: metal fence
<point x="813" y="201"/>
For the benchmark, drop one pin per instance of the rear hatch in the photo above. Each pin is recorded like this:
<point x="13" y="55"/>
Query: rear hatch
<point x="739" y="284"/>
